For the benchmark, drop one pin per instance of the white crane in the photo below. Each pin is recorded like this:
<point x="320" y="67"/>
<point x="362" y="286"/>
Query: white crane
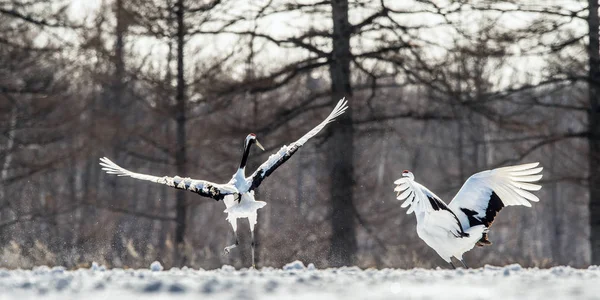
<point x="238" y="193"/>
<point x="454" y="229"/>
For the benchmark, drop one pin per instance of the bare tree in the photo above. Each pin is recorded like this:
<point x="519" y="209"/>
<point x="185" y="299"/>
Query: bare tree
<point x="428" y="92"/>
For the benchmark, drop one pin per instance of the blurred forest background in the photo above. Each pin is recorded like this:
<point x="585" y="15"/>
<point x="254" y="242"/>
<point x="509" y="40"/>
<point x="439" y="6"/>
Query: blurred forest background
<point x="172" y="87"/>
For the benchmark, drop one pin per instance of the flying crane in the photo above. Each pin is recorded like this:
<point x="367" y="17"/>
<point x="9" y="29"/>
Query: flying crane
<point x="238" y="193"/>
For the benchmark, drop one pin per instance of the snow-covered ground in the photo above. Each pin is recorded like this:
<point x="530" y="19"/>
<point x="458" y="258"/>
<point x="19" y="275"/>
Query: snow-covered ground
<point x="295" y="281"/>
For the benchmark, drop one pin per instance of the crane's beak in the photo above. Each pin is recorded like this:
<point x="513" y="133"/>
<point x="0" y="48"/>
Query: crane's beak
<point x="259" y="145"/>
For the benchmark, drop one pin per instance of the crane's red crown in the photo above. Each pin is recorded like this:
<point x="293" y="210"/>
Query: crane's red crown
<point x="252" y="134"/>
<point x="405" y="172"/>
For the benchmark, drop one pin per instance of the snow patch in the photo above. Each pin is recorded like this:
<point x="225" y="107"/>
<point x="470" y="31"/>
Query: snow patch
<point x="156" y="267"/>
<point x="298" y="281"/>
<point x="511" y="269"/>
<point x="295" y="265"/>
<point x="96" y="267"/>
<point x="227" y="268"/>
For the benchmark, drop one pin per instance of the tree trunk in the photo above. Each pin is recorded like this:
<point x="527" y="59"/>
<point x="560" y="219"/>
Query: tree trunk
<point x="343" y="246"/>
<point x="594" y="130"/>
<point x="8" y="150"/>
<point x="115" y="102"/>
<point x="180" y="154"/>
<point x="119" y="81"/>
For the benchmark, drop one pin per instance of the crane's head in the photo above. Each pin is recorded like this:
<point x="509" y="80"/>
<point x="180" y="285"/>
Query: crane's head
<point x="407" y="173"/>
<point x="251" y="139"/>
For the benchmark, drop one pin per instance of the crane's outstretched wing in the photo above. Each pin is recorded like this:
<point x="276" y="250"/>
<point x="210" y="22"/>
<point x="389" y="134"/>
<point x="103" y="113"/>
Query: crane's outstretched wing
<point x="484" y="194"/>
<point x="204" y="188"/>
<point x="281" y="156"/>
<point x="421" y="200"/>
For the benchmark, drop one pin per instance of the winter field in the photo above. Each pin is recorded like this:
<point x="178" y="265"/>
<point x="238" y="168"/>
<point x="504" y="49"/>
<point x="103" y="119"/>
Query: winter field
<point x="295" y="281"/>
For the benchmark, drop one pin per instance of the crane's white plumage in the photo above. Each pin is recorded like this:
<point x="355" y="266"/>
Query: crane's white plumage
<point x="511" y="184"/>
<point x="454" y="229"/>
<point x="337" y="111"/>
<point x="238" y="193"/>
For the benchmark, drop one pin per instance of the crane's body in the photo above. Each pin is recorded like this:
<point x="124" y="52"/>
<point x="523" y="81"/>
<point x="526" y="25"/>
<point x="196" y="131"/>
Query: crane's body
<point x="237" y="193"/>
<point x="451" y="230"/>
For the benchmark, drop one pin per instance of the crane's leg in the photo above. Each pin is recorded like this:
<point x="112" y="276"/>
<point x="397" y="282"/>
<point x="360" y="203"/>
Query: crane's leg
<point x="253" y="246"/>
<point x="463" y="263"/>
<point x="252" y="219"/>
<point x="228" y="248"/>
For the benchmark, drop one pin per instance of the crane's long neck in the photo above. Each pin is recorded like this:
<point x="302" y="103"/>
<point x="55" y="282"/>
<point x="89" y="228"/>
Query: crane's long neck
<point x="245" y="156"/>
